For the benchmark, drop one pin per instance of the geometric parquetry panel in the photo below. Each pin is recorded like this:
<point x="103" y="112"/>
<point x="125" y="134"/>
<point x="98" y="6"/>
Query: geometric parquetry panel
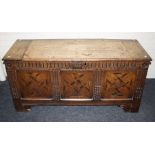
<point x="118" y="85"/>
<point x="76" y="84"/>
<point x="35" y="84"/>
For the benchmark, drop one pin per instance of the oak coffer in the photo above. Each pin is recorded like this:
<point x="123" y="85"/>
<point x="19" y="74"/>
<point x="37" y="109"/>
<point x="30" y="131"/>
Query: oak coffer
<point x="77" y="72"/>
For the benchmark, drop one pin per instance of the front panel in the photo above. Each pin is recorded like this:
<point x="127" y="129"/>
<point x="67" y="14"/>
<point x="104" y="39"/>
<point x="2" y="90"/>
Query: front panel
<point x="35" y="84"/>
<point x="94" y="83"/>
<point x="117" y="84"/>
<point x="76" y="84"/>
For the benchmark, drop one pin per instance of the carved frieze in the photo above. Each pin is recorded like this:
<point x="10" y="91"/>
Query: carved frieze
<point x="106" y="65"/>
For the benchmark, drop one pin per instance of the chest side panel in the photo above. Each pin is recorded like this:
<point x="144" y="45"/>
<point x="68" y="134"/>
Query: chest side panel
<point x="35" y="84"/>
<point x="76" y="84"/>
<point x="118" y="84"/>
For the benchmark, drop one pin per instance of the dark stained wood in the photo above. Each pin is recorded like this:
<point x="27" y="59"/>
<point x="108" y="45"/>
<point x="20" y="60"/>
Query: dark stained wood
<point x="77" y="72"/>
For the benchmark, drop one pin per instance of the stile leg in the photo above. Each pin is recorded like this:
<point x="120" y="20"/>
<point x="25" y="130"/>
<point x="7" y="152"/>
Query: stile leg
<point x="20" y="108"/>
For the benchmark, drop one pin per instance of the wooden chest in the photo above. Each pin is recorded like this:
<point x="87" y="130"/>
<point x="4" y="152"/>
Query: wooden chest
<point x="77" y="72"/>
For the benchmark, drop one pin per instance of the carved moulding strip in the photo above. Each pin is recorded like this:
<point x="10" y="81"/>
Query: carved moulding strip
<point x="56" y="84"/>
<point x="50" y="65"/>
<point x="12" y="78"/>
<point x="97" y="85"/>
<point x="141" y="75"/>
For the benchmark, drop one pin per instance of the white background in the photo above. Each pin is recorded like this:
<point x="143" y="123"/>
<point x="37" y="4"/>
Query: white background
<point x="70" y="16"/>
<point x="147" y="40"/>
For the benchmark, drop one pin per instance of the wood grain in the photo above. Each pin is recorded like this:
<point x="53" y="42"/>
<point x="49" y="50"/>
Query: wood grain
<point x="77" y="49"/>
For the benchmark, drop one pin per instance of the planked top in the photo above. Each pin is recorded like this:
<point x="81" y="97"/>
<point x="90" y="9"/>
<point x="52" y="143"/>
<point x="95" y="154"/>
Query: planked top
<point x="76" y="49"/>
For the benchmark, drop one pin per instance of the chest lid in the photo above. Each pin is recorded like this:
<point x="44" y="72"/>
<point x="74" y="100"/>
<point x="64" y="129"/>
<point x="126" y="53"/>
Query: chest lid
<point x="76" y="49"/>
